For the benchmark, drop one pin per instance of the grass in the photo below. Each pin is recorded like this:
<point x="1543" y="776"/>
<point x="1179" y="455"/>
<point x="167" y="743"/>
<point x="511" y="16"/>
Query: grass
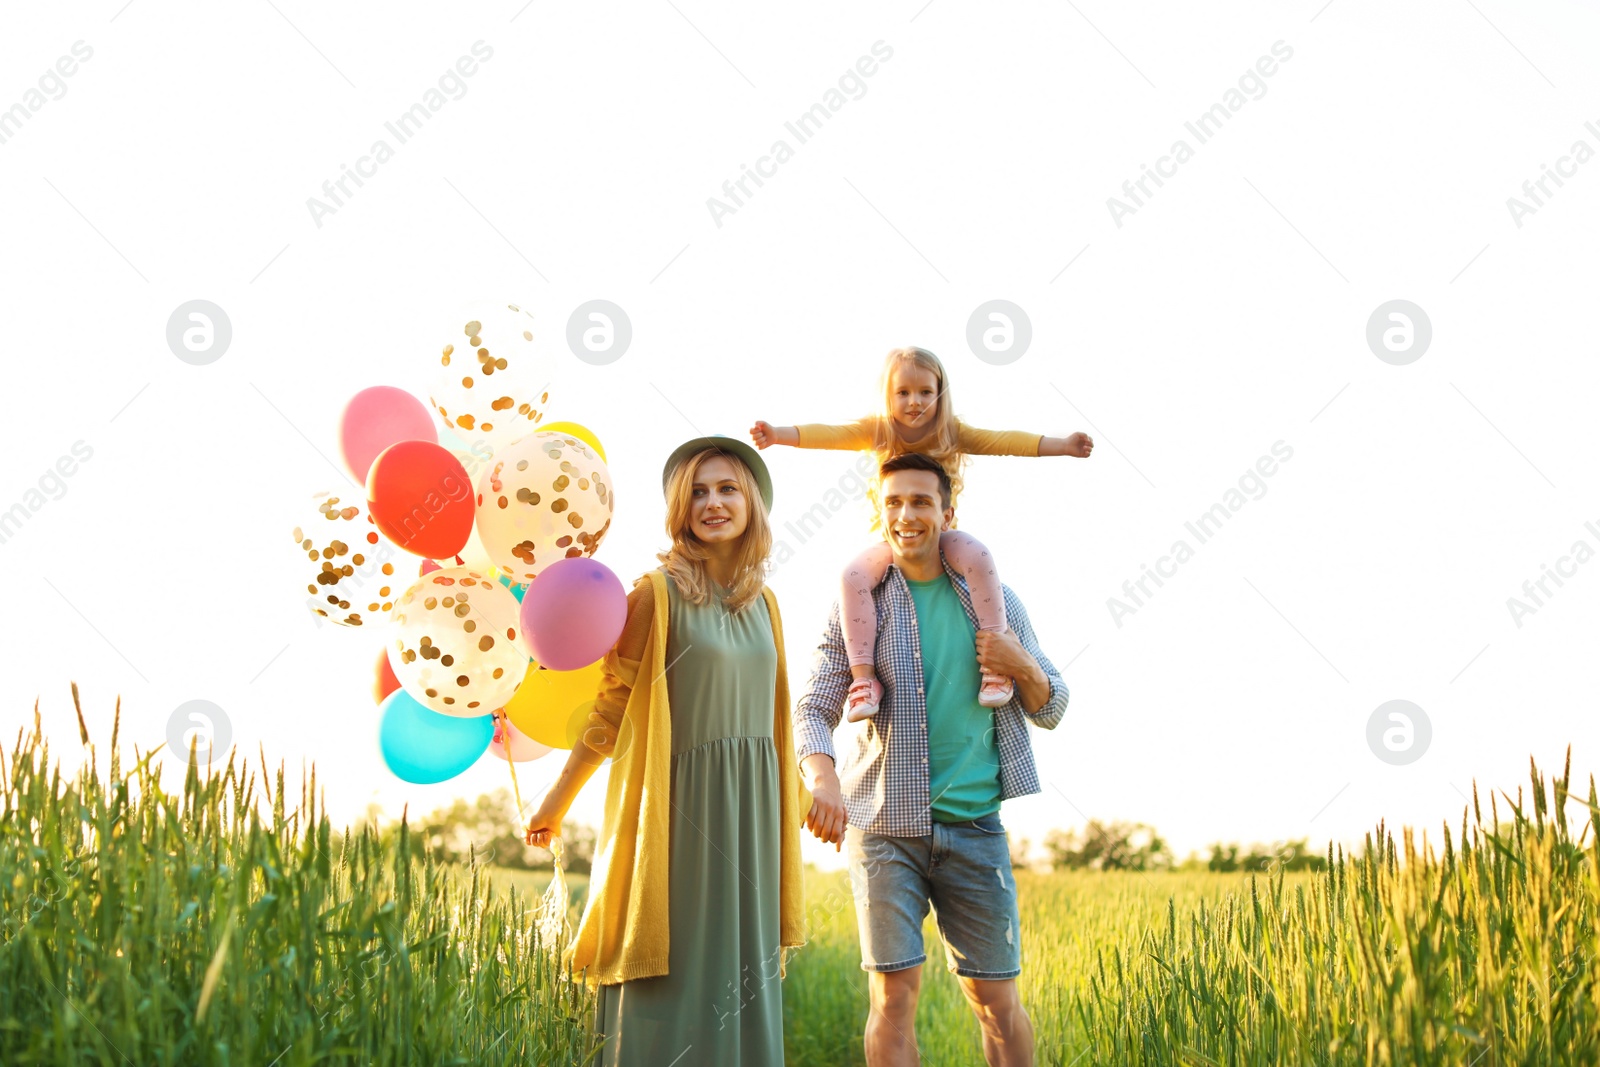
<point x="1069" y="918"/>
<point x="154" y="929"/>
<point x="230" y="924"/>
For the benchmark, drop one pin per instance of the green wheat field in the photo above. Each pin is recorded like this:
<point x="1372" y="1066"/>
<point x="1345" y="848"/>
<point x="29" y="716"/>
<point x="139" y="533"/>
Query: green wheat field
<point x="234" y="924"/>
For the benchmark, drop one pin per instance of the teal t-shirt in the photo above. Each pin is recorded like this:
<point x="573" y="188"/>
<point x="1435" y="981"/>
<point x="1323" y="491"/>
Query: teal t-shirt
<point x="963" y="759"/>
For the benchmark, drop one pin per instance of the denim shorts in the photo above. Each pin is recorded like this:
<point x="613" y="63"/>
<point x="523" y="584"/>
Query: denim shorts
<point x="964" y="870"/>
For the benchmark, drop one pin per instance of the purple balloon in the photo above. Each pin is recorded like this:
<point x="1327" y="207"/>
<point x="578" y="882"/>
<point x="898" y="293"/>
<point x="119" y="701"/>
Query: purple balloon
<point x="572" y="613"/>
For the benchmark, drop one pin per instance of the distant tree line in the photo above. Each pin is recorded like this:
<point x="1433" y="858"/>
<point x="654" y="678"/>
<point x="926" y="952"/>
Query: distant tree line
<point x="1136" y="846"/>
<point x="488" y="829"/>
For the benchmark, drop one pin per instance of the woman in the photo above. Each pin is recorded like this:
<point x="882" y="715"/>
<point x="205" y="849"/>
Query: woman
<point x="695" y="892"/>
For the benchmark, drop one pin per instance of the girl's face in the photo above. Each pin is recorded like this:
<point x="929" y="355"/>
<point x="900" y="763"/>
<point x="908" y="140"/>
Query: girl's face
<point x="913" y="396"/>
<point x="718" y="510"/>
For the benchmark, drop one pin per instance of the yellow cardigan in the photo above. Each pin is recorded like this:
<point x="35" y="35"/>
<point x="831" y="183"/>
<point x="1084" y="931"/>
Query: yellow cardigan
<point x="623" y="934"/>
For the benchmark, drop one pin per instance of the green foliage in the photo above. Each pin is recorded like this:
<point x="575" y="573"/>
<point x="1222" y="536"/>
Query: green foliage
<point x="490" y="829"/>
<point x="154" y="929"/>
<point x="219" y="927"/>
<point x="1487" y="954"/>
<point x="1265" y="859"/>
<point x="1113" y="846"/>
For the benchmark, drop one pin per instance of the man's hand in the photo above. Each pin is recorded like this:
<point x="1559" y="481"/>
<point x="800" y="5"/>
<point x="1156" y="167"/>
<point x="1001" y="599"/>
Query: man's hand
<point x="1003" y="654"/>
<point x="1079" y="444"/>
<point x="826" y="820"/>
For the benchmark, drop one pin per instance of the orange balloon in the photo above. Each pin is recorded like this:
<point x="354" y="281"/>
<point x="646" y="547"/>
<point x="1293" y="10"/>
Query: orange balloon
<point x="553" y="707"/>
<point x="383" y="680"/>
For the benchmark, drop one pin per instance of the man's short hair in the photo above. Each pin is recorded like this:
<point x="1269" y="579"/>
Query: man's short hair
<point x="916" y="461"/>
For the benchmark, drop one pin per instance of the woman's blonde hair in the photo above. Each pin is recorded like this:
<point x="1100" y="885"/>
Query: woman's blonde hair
<point x="686" y="560"/>
<point x="943" y="443"/>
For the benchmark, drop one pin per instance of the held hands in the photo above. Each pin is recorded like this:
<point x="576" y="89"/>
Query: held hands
<point x="1080" y="445"/>
<point x="826" y="819"/>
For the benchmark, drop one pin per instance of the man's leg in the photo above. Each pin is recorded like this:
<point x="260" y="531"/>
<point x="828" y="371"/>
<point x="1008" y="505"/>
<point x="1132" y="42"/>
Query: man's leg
<point x="892" y="1025"/>
<point x="974" y="895"/>
<point x="1007" y="1030"/>
<point x="889" y="881"/>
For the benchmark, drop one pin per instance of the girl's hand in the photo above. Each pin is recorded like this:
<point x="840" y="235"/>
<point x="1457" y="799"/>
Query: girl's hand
<point x="761" y="433"/>
<point x="1080" y="444"/>
<point x="544" y="824"/>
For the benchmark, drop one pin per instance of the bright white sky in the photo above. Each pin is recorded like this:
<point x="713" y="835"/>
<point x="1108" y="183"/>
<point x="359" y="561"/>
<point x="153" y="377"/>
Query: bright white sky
<point x="1226" y="314"/>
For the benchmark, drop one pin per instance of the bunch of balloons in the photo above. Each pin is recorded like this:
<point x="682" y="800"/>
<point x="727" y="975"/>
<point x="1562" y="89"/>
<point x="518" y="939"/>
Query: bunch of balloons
<point x="496" y="645"/>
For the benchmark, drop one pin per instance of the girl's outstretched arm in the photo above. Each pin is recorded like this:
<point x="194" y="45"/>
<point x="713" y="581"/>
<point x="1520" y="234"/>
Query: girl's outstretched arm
<point x="1079" y="444"/>
<point x="852" y="437"/>
<point x="976" y="442"/>
<point x="765" y="434"/>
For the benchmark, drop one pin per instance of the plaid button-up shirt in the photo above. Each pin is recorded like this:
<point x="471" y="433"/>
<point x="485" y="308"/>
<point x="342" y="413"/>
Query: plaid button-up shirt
<point x="883" y="772"/>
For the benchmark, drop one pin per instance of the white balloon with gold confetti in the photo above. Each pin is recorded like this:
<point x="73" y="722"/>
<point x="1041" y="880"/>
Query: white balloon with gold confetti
<point x="349" y="565"/>
<point x="544" y="498"/>
<point x="456" y="645"/>
<point x="493" y="377"/>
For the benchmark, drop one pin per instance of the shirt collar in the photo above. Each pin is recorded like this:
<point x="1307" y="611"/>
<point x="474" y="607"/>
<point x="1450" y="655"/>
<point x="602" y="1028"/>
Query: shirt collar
<point x="955" y="575"/>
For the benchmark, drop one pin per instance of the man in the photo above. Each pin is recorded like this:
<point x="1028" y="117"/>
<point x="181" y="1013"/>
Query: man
<point x="923" y="779"/>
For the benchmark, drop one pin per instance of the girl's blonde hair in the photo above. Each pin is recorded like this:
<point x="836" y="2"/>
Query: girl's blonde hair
<point x="943" y="443"/>
<point x="686" y="560"/>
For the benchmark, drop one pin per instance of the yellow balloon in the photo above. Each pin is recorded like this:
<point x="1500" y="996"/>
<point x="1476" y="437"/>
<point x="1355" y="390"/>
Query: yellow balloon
<point x="553" y="707"/>
<point x="578" y="430"/>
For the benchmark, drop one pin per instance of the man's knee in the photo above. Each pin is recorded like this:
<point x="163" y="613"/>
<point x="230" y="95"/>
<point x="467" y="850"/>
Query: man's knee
<point x="997" y="1005"/>
<point x="894" y="993"/>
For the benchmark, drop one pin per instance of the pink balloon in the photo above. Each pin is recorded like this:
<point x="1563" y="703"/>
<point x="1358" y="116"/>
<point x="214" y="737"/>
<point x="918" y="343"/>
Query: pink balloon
<point x="376" y="418"/>
<point x="572" y="613"/>
<point x="523" y="748"/>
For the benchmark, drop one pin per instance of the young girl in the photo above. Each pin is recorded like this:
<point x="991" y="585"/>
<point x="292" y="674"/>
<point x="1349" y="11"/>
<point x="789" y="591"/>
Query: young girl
<point x="918" y="417"/>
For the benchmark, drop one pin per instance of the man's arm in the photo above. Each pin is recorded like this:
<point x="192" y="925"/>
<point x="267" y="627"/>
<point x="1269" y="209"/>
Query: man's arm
<point x="821" y="702"/>
<point x="816" y="715"/>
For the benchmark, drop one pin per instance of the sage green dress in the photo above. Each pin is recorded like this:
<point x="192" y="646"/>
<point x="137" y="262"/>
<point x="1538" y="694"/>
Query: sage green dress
<point x="720" y="1004"/>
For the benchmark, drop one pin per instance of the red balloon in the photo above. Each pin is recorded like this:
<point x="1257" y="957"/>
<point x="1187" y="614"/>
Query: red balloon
<point x="383" y="680"/>
<point x="421" y="498"/>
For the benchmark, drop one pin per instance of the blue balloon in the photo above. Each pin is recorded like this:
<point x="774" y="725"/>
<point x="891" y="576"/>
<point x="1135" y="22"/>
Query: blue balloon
<point x="422" y="746"/>
<point x="517" y="591"/>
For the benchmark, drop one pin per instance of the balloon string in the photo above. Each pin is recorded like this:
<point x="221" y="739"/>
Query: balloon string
<point x="505" y="746"/>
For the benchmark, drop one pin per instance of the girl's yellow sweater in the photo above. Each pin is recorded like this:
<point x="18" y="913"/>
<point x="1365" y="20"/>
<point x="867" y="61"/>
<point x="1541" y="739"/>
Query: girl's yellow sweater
<point x="623" y="934"/>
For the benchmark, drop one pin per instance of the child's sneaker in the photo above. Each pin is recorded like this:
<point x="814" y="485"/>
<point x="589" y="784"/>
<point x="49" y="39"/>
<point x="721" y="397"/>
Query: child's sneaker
<point x="996" y="691"/>
<point x="862" y="700"/>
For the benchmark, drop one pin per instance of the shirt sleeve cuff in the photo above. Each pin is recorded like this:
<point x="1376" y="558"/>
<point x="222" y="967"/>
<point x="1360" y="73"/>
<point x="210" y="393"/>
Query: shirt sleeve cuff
<point x="1055" y="708"/>
<point x="811" y="738"/>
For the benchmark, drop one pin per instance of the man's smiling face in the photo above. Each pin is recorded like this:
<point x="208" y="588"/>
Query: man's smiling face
<point x="914" y="516"/>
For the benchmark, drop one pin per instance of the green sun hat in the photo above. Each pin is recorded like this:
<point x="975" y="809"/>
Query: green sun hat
<point x="743" y="452"/>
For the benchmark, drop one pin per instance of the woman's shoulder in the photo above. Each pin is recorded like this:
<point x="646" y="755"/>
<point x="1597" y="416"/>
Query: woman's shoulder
<point x="770" y="596"/>
<point x="643" y="591"/>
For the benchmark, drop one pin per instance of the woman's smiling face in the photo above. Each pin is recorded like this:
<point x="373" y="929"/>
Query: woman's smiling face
<point x="718" y="508"/>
